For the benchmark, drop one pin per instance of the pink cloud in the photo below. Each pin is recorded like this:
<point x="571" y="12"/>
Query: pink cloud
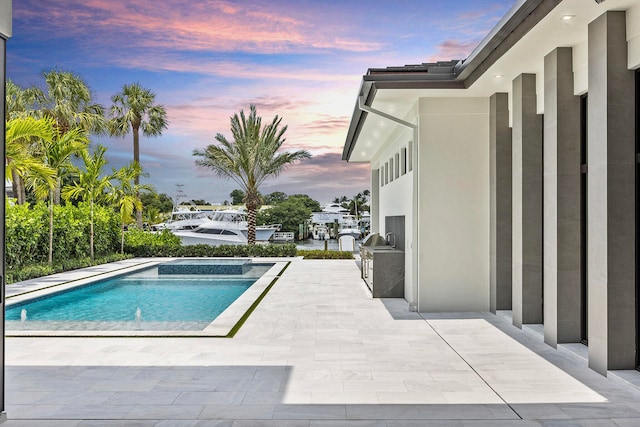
<point x="198" y="26"/>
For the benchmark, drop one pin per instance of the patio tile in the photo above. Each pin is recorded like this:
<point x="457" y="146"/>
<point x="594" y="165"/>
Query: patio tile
<point x="309" y="412"/>
<point x="318" y="351"/>
<point x="238" y="412"/>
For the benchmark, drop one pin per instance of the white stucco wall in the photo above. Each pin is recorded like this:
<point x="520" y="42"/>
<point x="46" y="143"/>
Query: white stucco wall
<point x="453" y="204"/>
<point x="580" y="68"/>
<point x="633" y="37"/>
<point x="396" y="199"/>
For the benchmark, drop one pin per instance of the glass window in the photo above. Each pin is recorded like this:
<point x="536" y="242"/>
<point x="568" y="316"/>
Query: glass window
<point x="403" y="160"/>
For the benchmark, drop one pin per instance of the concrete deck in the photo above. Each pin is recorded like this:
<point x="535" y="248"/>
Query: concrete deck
<point x="318" y="351"/>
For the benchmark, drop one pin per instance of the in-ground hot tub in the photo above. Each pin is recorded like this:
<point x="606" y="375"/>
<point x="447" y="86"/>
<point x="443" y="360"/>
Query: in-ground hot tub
<point x="201" y="266"/>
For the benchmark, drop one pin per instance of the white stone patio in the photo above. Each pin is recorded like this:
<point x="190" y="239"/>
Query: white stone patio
<point x="317" y="351"/>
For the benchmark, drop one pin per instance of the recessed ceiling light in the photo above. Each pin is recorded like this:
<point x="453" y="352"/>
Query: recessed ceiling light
<point x="568" y="17"/>
<point x="498" y="76"/>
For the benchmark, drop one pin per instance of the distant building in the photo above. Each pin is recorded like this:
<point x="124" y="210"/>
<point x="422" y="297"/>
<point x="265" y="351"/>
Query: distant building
<point x="510" y="177"/>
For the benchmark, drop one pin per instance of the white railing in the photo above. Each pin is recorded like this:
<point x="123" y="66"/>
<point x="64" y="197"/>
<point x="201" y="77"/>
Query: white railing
<point x="283" y="236"/>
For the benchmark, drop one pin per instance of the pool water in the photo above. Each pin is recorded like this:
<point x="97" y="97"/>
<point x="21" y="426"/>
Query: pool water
<point x="145" y="300"/>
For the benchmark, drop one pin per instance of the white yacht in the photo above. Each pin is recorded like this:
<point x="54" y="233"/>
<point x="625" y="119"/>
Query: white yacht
<point x="349" y="226"/>
<point x="185" y="218"/>
<point x="321" y="232"/>
<point x="228" y="227"/>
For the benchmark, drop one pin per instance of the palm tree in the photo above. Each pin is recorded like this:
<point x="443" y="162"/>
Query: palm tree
<point x="68" y="101"/>
<point x="20" y="161"/>
<point x="124" y="194"/>
<point x="19" y="103"/>
<point x="91" y="185"/>
<point x="134" y="109"/>
<point x="56" y="153"/>
<point x="250" y="158"/>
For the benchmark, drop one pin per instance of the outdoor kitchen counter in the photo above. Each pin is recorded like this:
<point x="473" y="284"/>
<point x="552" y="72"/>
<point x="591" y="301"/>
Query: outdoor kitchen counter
<point x="382" y="269"/>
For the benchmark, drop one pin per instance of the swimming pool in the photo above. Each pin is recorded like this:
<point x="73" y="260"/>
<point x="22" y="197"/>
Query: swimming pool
<point x="186" y="296"/>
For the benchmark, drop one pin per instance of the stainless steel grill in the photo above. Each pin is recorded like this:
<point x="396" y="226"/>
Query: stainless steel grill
<point x="374" y="239"/>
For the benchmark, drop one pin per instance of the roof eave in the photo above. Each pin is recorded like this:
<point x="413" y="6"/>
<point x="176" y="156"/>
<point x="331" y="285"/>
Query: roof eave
<point x="520" y="19"/>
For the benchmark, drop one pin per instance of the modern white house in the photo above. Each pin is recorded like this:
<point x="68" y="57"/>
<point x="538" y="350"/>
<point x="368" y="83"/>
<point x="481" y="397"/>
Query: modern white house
<point x="512" y="176"/>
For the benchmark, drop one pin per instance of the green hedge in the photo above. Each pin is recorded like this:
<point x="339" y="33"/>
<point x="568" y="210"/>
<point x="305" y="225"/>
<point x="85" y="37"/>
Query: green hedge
<point x="320" y="254"/>
<point x="44" y="269"/>
<point x="141" y="243"/>
<point x="27" y="233"/>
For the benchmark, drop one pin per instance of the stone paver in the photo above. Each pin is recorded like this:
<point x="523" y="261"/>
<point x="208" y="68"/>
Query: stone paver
<point x="318" y="351"/>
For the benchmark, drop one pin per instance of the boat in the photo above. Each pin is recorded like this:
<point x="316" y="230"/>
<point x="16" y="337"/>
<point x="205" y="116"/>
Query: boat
<point x="227" y="227"/>
<point x="321" y="232"/>
<point x="348" y="226"/>
<point x="185" y="218"/>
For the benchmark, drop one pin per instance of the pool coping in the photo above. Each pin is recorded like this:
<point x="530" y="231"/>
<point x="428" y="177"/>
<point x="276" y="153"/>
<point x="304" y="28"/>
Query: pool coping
<point x="223" y="326"/>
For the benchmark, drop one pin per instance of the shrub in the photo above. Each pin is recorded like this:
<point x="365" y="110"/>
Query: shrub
<point x="27" y="233"/>
<point x="166" y="244"/>
<point x="18" y="274"/>
<point x="142" y="243"/>
<point x="320" y="254"/>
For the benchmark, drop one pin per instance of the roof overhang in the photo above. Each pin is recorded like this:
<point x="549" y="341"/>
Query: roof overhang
<point x="5" y="18"/>
<point x="517" y="44"/>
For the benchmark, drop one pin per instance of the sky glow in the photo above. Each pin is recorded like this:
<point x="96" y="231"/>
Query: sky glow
<point x="205" y="60"/>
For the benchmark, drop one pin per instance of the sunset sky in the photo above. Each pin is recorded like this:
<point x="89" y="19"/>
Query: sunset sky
<point x="205" y="60"/>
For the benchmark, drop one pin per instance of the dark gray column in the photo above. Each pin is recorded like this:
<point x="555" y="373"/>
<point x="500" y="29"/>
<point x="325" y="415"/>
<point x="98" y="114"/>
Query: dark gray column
<point x="611" y="197"/>
<point x="5" y="33"/>
<point x="562" y="291"/>
<point x="527" y="203"/>
<point x="500" y="272"/>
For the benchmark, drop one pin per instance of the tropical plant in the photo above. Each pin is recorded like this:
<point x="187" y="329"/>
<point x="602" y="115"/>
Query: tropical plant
<point x="18" y="104"/>
<point x="354" y="205"/>
<point x="26" y="233"/>
<point x="124" y="194"/>
<point x="134" y="109"/>
<point x="90" y="186"/>
<point x="56" y="153"/>
<point x="250" y="158"/>
<point x="68" y="100"/>
<point x="20" y="162"/>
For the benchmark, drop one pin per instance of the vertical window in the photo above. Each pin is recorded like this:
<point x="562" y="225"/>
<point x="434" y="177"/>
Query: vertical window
<point x="382" y="176"/>
<point x="637" y="224"/>
<point x="391" y="169"/>
<point x="397" y="163"/>
<point x="584" y="289"/>
<point x="386" y="173"/>
<point x="403" y="160"/>
<point x="410" y="149"/>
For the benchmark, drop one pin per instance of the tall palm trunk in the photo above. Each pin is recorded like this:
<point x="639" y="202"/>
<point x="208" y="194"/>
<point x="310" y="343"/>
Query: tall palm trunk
<point x="251" y="226"/>
<point x="91" y="231"/>
<point x="17" y="188"/>
<point x="136" y="158"/>
<point x="122" y="238"/>
<point x="22" y="192"/>
<point x="50" y="227"/>
<point x="252" y="201"/>
<point x="56" y="191"/>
